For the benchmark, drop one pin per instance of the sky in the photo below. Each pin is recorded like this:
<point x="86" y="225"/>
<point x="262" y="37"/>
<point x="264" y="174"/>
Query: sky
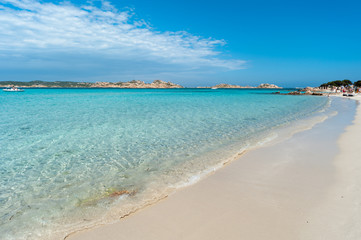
<point x="192" y="43"/>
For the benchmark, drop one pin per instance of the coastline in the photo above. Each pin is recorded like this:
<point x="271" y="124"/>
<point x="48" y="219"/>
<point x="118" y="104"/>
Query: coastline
<point x="338" y="217"/>
<point x="134" y="84"/>
<point x="251" y="198"/>
<point x="103" y="166"/>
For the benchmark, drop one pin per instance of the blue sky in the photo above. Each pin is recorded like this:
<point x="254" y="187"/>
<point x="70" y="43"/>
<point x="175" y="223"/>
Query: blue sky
<point x="193" y="43"/>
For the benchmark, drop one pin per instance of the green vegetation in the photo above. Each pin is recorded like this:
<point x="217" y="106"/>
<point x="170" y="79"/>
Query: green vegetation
<point x="357" y="83"/>
<point x="60" y="84"/>
<point x="337" y="83"/>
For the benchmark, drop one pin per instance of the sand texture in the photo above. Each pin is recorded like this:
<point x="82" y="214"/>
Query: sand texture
<point x="305" y="187"/>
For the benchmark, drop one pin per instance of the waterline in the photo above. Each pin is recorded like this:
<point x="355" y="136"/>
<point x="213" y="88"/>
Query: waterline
<point x="78" y="158"/>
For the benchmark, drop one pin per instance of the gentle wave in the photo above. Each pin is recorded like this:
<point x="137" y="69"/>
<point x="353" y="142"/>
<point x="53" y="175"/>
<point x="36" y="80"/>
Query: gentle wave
<point x="78" y="158"/>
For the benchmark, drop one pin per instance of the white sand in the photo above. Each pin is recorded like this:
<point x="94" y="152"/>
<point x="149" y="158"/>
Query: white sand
<point x="306" y="187"/>
<point x="339" y="216"/>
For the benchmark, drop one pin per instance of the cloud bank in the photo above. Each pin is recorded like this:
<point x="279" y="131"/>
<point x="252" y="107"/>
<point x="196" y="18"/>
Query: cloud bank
<point x="43" y="35"/>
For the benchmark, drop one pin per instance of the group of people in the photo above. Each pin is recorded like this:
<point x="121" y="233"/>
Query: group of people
<point x="346" y="89"/>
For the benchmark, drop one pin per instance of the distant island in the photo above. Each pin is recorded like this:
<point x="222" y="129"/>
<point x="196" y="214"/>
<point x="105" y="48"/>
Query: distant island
<point x="263" y="85"/>
<point x="130" y="84"/>
<point x="67" y="84"/>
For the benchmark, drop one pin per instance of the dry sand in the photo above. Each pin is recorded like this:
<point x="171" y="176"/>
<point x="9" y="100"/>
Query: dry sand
<point x="339" y="216"/>
<point x="305" y="187"/>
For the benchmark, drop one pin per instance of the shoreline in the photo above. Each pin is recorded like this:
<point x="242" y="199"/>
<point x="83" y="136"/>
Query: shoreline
<point x="338" y="217"/>
<point x="90" y="190"/>
<point x="283" y="132"/>
<point x="129" y="226"/>
<point x="136" y="84"/>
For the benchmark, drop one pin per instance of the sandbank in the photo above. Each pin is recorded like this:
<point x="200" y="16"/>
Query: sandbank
<point x="304" y="187"/>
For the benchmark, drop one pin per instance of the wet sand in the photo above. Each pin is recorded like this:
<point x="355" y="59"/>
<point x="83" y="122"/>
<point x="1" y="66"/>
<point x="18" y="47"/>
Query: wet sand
<point x="305" y="187"/>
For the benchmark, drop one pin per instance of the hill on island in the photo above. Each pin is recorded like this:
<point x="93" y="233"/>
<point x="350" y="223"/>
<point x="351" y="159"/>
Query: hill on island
<point x="67" y="84"/>
<point x="130" y="84"/>
<point x="263" y="85"/>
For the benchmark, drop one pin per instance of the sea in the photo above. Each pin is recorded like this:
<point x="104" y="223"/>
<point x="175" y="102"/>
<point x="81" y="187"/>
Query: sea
<point x="75" y="158"/>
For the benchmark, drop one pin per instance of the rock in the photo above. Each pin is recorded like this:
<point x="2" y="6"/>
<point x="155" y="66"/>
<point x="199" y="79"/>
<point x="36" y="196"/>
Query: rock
<point x="267" y="85"/>
<point x="294" y="93"/>
<point x="130" y="84"/>
<point x="137" y="84"/>
<point x="162" y="84"/>
<point x="225" y="85"/>
<point x="311" y="89"/>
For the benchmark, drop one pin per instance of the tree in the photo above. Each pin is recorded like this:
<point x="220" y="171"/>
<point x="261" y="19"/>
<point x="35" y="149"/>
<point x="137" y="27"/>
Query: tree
<point x="357" y="83"/>
<point x="337" y="83"/>
<point x="346" y="82"/>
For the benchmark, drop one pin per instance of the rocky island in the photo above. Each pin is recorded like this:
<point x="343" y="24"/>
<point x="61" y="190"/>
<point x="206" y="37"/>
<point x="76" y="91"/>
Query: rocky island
<point x="267" y="85"/>
<point x="225" y="85"/>
<point x="130" y="84"/>
<point x="136" y="84"/>
<point x="65" y="84"/>
<point x="263" y="85"/>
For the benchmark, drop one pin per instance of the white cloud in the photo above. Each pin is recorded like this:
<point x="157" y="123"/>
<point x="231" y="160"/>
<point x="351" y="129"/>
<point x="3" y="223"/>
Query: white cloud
<point x="29" y="25"/>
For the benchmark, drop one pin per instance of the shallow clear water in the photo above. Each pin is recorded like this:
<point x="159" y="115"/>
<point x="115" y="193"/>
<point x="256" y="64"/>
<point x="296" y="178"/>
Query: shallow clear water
<point x="76" y="157"/>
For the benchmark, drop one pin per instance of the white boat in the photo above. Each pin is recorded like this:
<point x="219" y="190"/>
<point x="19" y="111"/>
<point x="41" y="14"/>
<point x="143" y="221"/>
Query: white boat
<point x="13" y="89"/>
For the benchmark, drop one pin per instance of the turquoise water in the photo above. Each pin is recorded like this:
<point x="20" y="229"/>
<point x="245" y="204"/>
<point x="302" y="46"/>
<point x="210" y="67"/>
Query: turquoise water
<point x="74" y="158"/>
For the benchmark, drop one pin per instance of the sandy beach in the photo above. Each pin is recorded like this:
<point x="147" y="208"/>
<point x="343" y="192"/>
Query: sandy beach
<point x="304" y="187"/>
<point x="180" y="120"/>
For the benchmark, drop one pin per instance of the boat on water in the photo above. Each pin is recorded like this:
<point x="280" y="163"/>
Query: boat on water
<point x="13" y="89"/>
